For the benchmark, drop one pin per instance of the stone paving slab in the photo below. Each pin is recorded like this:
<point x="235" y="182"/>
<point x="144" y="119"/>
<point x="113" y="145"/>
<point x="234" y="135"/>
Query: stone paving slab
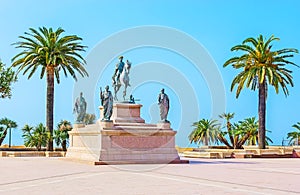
<point x="40" y="175"/>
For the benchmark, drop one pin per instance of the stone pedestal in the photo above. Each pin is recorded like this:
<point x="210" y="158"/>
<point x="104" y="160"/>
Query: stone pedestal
<point x="125" y="113"/>
<point x="127" y="139"/>
<point x="78" y="125"/>
<point x="164" y="125"/>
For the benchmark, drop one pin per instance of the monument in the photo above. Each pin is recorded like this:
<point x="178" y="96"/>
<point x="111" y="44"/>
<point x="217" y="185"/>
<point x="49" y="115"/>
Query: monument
<point x="122" y="136"/>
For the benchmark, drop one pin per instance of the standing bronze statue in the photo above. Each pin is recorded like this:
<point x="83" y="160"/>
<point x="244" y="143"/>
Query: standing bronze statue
<point x="80" y="108"/>
<point x="107" y="103"/>
<point x="164" y="105"/>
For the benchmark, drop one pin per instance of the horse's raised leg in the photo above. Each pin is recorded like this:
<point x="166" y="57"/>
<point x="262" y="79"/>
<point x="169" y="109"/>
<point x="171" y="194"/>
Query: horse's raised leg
<point x="124" y="92"/>
<point x="116" y="89"/>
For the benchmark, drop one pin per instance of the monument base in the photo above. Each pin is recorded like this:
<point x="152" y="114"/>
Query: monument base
<point x="125" y="140"/>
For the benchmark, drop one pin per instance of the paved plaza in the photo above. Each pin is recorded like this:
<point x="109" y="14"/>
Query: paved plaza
<point x="40" y="175"/>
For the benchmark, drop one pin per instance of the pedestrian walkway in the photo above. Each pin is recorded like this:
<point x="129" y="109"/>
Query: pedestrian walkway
<point x="42" y="175"/>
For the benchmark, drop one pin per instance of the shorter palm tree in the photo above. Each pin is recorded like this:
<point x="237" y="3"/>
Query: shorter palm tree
<point x="248" y="129"/>
<point x="27" y="134"/>
<point x="244" y="132"/>
<point x="230" y="130"/>
<point x="35" y="136"/>
<point x="3" y="133"/>
<point x="205" y="131"/>
<point x="61" y="135"/>
<point x="6" y="124"/>
<point x="294" y="135"/>
<point x="237" y="137"/>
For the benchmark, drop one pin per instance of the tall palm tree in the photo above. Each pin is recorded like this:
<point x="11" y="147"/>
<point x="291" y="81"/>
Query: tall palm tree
<point x="8" y="125"/>
<point x="52" y="53"/>
<point x="294" y="135"/>
<point x="262" y="67"/>
<point x="205" y="131"/>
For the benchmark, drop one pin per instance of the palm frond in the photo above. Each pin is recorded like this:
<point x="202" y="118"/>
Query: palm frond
<point x="44" y="47"/>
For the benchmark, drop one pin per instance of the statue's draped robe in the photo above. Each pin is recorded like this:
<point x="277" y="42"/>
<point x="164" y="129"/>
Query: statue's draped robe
<point x="80" y="107"/>
<point x="107" y="105"/>
<point x="163" y="101"/>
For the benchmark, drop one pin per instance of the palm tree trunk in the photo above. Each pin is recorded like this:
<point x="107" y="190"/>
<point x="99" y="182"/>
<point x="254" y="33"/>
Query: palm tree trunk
<point x="3" y="136"/>
<point x="242" y="141"/>
<point x="235" y="142"/>
<point x="9" y="143"/>
<point x="64" y="145"/>
<point x="230" y="133"/>
<point x="206" y="141"/>
<point x="222" y="139"/>
<point x="50" y="105"/>
<point x="262" y="115"/>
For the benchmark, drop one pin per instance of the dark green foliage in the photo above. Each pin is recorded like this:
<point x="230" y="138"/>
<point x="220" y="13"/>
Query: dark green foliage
<point x="243" y="132"/>
<point x="61" y="135"/>
<point x="205" y="131"/>
<point x="294" y="135"/>
<point x="35" y="136"/>
<point x="7" y="77"/>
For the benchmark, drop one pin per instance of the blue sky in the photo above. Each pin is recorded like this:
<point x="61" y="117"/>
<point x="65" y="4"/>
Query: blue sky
<point x="214" y="25"/>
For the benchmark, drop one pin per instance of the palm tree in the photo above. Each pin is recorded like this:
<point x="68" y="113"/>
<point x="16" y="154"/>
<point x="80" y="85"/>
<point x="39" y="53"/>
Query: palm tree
<point x="35" y="136"/>
<point x="48" y="50"/>
<point x="8" y="125"/>
<point x="61" y="135"/>
<point x="249" y="130"/>
<point x="294" y="135"/>
<point x="261" y="67"/>
<point x="205" y="131"/>
<point x="27" y="135"/>
<point x="243" y="132"/>
<point x="230" y="130"/>
<point x="249" y="127"/>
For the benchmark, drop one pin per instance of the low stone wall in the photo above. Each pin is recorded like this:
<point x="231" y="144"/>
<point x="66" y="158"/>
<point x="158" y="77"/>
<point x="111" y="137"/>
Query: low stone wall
<point x="247" y="152"/>
<point x="31" y="154"/>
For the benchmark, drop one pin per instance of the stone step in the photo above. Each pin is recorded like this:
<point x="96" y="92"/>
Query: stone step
<point x="134" y="128"/>
<point x="32" y="154"/>
<point x="137" y="132"/>
<point x="175" y="161"/>
<point x="135" y="124"/>
<point x="213" y="155"/>
<point x="129" y="120"/>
